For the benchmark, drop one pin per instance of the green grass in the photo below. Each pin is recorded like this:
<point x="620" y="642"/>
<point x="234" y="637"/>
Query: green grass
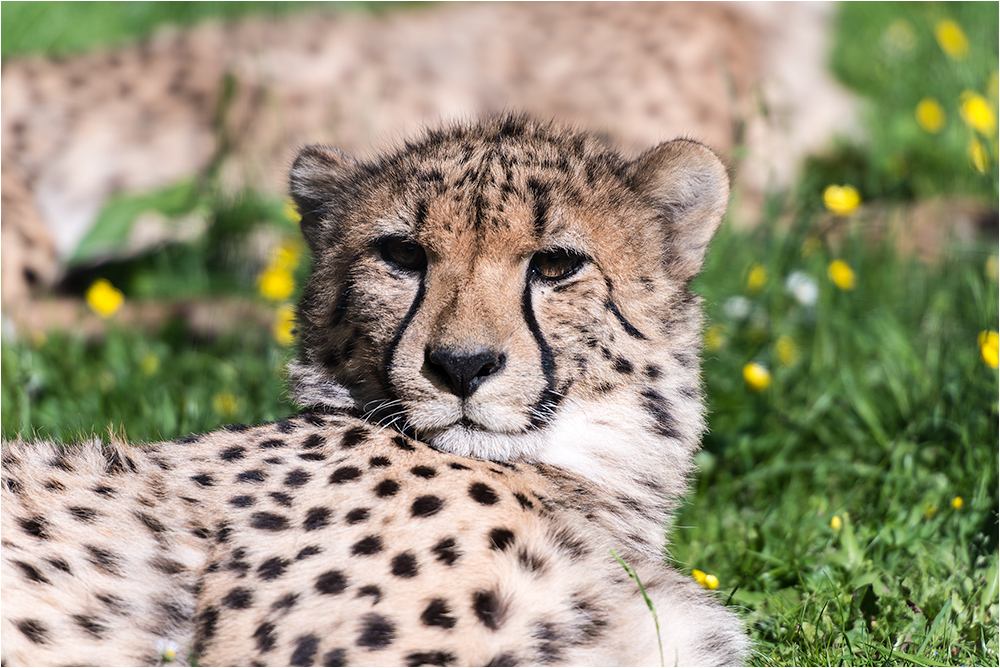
<point x="881" y="415"/>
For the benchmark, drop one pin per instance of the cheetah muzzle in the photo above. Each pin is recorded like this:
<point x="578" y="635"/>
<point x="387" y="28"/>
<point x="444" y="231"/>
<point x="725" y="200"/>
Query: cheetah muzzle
<point x="499" y="364"/>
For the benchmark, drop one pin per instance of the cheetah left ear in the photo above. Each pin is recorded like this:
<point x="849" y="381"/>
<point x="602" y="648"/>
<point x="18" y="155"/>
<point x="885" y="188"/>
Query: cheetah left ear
<point x="688" y="187"/>
<point x="321" y="182"/>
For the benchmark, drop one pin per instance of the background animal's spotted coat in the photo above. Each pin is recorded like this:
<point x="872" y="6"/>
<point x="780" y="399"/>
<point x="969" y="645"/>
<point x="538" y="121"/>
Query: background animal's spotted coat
<point x="500" y="360"/>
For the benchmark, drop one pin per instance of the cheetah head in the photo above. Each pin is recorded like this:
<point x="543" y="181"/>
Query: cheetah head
<point x="509" y="290"/>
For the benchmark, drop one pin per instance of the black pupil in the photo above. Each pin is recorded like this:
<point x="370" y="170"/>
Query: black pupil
<point x="406" y="254"/>
<point x="555" y="263"/>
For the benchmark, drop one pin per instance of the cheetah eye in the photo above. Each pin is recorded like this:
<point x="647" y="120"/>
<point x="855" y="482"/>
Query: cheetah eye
<point x="402" y="253"/>
<point x="556" y="264"/>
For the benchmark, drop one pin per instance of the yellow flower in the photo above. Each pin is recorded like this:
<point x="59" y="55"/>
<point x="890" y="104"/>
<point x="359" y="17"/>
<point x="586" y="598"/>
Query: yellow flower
<point x="836" y="523"/>
<point x="841" y="200"/>
<point x="225" y="404"/>
<point x="952" y="39"/>
<point x="706" y="580"/>
<point x="284" y="325"/>
<point x="930" y="115"/>
<point x="989" y="347"/>
<point x="976" y="113"/>
<point x="150" y="364"/>
<point x="715" y="337"/>
<point x="276" y="283"/>
<point x="978" y="155"/>
<point x="291" y="211"/>
<point x="957" y="503"/>
<point x="286" y="256"/>
<point x="786" y="350"/>
<point x="757" y="377"/>
<point x="841" y="274"/>
<point x="756" y="279"/>
<point x="103" y="298"/>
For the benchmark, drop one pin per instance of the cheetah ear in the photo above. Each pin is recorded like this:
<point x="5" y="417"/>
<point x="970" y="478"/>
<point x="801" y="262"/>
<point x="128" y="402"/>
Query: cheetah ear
<point x="689" y="189"/>
<point x="321" y="183"/>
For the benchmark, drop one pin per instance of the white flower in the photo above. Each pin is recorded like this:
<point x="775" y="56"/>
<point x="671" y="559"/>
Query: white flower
<point x="801" y="286"/>
<point x="168" y="650"/>
<point x="737" y="308"/>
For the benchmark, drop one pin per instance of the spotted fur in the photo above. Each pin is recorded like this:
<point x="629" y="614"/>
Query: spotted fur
<point x="500" y="359"/>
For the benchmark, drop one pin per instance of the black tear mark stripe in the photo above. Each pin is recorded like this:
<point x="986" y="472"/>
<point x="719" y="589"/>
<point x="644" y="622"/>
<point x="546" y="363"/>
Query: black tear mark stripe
<point x="548" y="398"/>
<point x="419" y="216"/>
<point x="613" y="308"/>
<point x="391" y="352"/>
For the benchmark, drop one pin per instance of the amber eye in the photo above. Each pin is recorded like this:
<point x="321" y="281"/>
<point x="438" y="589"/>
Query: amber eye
<point x="556" y="264"/>
<point x="402" y="253"/>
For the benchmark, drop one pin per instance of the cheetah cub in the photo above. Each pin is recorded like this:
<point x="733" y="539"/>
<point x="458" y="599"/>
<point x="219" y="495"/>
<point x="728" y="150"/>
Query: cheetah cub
<point x="499" y="356"/>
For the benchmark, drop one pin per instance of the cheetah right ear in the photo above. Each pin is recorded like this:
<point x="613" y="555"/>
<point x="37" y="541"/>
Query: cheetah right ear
<point x="688" y="187"/>
<point x="322" y="184"/>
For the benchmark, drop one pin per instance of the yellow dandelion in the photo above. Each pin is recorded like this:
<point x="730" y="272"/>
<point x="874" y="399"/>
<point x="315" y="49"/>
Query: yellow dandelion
<point x="284" y="325"/>
<point x="786" y="350"/>
<point x="715" y="337"/>
<point x="103" y="298"/>
<point x="978" y="155"/>
<point x="957" y="503"/>
<point x="836" y="523"/>
<point x="841" y="274"/>
<point x="291" y="211"/>
<point x="225" y="404"/>
<point x="930" y="115"/>
<point x="951" y="38"/>
<point x="286" y="256"/>
<point x="276" y="284"/>
<point x="976" y="113"/>
<point x="757" y="377"/>
<point x="150" y="364"/>
<point x="841" y="200"/>
<point x="756" y="279"/>
<point x="706" y="580"/>
<point x="989" y="347"/>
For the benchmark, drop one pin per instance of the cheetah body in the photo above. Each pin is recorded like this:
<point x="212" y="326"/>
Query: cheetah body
<point x="499" y="356"/>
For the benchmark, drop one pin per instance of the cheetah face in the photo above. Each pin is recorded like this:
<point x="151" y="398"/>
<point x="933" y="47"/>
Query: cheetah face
<point x="471" y="287"/>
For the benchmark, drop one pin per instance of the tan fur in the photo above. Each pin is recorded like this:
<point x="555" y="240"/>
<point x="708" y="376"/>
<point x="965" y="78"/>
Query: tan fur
<point x="484" y="428"/>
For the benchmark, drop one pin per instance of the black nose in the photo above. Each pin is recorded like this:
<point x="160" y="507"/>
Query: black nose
<point x="463" y="371"/>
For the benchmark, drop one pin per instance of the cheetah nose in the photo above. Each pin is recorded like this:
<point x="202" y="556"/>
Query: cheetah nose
<point x="463" y="371"/>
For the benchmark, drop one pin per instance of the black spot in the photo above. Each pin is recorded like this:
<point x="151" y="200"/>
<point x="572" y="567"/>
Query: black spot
<point x="105" y="560"/>
<point x="308" y="551"/>
<point x="386" y="488"/>
<point x="530" y="562"/>
<point x="305" y="651"/>
<point x="335" y="657"/>
<point x="281" y="499"/>
<point x="344" y="474"/>
<point x="659" y="408"/>
<point x="459" y="467"/>
<point x="489" y="609"/>
<point x="31" y="572"/>
<point x="203" y="479"/>
<point x="500" y="539"/>
<point x="437" y="613"/>
<point x="13" y="484"/>
<point x="232" y="454"/>
<point x="242" y="501"/>
<point x="569" y="543"/>
<point x="370" y="590"/>
<point x="403" y="443"/>
<point x="622" y="365"/>
<point x="286" y="426"/>
<point x="268" y="522"/>
<point x="35" y="526"/>
<point x="524" y="501"/>
<point x="316" y="518"/>
<point x="104" y="490"/>
<point x="277" y="461"/>
<point x="550" y="648"/>
<point x="253" y="475"/>
<point x="483" y="493"/>
<point x="312" y="456"/>
<point x="272" y="443"/>
<point x="352" y="437"/>
<point x="53" y="485"/>
<point x="151" y="523"/>
<point x="223" y="532"/>
<point x="187" y="440"/>
<point x="313" y="441"/>
<point x="425" y="506"/>
<point x="652" y="371"/>
<point x="366" y="546"/>
<point x="379" y="462"/>
<point x="238" y="599"/>
<point x="208" y="622"/>
<point x="60" y="564"/>
<point x="264" y="635"/>
<point x="297" y="478"/>
<point x="446" y="552"/>
<point x="83" y="514"/>
<point x="423" y="471"/>
<point x="117" y="463"/>
<point x="165" y="565"/>
<point x="33" y="631"/>
<point x="112" y="602"/>
<point x="404" y="565"/>
<point x="376" y="632"/>
<point x="331" y="582"/>
<point x="286" y="602"/>
<point x="503" y="660"/>
<point x="272" y="569"/>
<point x="438" y="658"/>
<point x="238" y="428"/>
<point x="357" y="515"/>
